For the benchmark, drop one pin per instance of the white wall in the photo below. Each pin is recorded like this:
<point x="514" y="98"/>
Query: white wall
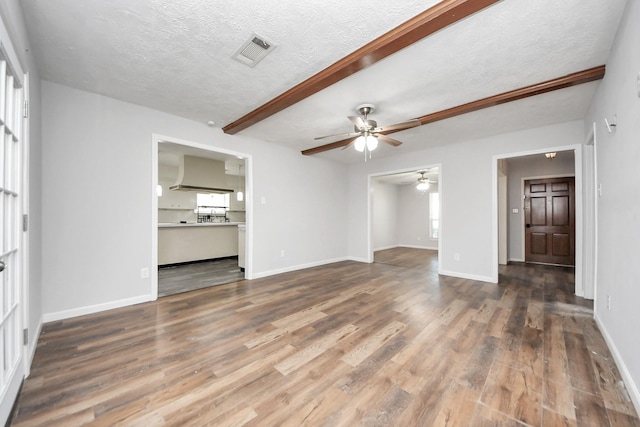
<point x="384" y="215"/>
<point x="413" y="218"/>
<point x="618" y="157"/>
<point x="97" y="195"/>
<point x="12" y="17"/>
<point x="529" y="167"/>
<point x="466" y="184"/>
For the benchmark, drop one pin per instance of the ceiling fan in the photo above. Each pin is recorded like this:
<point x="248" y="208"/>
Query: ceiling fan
<point x="423" y="182"/>
<point x="366" y="133"/>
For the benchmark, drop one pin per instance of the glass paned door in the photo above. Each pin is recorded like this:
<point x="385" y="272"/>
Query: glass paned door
<point x="11" y="123"/>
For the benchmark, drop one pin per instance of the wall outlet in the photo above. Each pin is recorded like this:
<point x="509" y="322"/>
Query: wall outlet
<point x="608" y="302"/>
<point x="456" y="257"/>
<point x="144" y="273"/>
<point x="282" y="252"/>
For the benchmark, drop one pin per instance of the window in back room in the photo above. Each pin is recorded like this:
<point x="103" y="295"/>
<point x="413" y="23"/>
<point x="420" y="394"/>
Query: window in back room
<point x="434" y="215"/>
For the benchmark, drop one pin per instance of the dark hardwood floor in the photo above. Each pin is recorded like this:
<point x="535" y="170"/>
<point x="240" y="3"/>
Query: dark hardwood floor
<point x="383" y="344"/>
<point x="188" y="277"/>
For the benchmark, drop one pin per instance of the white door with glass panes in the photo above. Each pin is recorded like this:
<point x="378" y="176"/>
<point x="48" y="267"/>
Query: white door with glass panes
<point x="11" y="233"/>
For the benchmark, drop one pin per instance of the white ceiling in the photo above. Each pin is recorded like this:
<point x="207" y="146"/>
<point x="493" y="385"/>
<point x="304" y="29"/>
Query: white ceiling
<point x="175" y="56"/>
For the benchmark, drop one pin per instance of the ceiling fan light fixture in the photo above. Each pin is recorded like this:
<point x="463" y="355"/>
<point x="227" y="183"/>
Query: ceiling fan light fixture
<point x="360" y="144"/>
<point x="372" y="142"/>
<point x="422" y="186"/>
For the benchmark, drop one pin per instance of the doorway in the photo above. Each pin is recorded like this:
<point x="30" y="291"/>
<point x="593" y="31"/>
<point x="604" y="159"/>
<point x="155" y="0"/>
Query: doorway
<point x="405" y="218"/>
<point x="549" y="211"/>
<point x="540" y="169"/>
<point x="199" y="245"/>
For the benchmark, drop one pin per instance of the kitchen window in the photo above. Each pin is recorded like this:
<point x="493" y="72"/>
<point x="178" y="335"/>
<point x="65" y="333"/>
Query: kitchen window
<point x="212" y="207"/>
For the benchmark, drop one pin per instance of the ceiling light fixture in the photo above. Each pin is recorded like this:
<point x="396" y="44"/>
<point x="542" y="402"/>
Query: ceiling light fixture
<point x="366" y="143"/>
<point x="550" y="156"/>
<point x="423" y="186"/>
<point x="369" y="142"/>
<point x="423" y="183"/>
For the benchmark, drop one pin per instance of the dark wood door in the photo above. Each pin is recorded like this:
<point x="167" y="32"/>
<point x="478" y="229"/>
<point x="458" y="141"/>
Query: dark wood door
<point x="550" y="221"/>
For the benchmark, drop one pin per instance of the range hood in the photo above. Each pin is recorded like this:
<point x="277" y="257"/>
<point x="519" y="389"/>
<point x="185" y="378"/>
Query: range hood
<point x="201" y="175"/>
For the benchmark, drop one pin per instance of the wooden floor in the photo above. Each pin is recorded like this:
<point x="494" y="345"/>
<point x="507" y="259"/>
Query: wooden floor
<point x="188" y="277"/>
<point x="383" y="344"/>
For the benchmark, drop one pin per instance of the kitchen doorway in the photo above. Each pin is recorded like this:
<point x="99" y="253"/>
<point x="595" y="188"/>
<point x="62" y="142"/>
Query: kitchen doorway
<point x="201" y="204"/>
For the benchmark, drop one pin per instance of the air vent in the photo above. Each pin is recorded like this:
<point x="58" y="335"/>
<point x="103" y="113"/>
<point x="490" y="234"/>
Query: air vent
<point x="253" y="50"/>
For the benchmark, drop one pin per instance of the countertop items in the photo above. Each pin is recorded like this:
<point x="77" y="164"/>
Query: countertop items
<point x="198" y="224"/>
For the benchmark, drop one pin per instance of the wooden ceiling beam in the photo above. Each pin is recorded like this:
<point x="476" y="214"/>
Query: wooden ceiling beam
<point x="569" y="80"/>
<point x="428" y="22"/>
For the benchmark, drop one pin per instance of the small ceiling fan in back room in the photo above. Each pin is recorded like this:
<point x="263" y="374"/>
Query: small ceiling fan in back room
<point x="366" y="133"/>
<point x="422" y="183"/>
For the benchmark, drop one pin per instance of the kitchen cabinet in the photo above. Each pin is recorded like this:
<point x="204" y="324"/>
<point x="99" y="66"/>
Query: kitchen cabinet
<point x="179" y="243"/>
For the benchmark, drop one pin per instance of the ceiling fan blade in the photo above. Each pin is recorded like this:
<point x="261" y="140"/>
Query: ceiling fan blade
<point x="390" y="141"/>
<point x="401" y="126"/>
<point x="346" y="135"/>
<point x="350" y="144"/>
<point x="357" y="121"/>
<point x="327" y="147"/>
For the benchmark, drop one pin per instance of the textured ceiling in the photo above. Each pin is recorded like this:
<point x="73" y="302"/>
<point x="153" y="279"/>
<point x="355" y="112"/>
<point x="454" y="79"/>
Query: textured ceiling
<point x="176" y="57"/>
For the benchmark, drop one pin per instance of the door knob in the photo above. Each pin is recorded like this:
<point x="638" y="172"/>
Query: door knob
<point x="528" y="225"/>
<point x="1" y="266"/>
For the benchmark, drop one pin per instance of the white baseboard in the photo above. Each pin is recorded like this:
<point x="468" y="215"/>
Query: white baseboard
<point x="632" y="387"/>
<point x="297" y="267"/>
<point x="81" y="311"/>
<point x="515" y="260"/>
<point x="33" y="342"/>
<point x="357" y="259"/>
<point x="433" y="248"/>
<point x="384" y="248"/>
<point x="467" y="276"/>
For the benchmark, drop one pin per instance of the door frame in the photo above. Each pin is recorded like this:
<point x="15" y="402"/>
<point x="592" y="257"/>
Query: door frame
<point x="370" y="193"/>
<point x="523" y="217"/>
<point x="22" y="366"/>
<point x="155" y="141"/>
<point x="581" y="288"/>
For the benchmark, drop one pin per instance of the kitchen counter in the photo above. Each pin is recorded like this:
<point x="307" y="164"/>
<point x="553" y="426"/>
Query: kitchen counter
<point x="179" y="243"/>
<point x="197" y="224"/>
